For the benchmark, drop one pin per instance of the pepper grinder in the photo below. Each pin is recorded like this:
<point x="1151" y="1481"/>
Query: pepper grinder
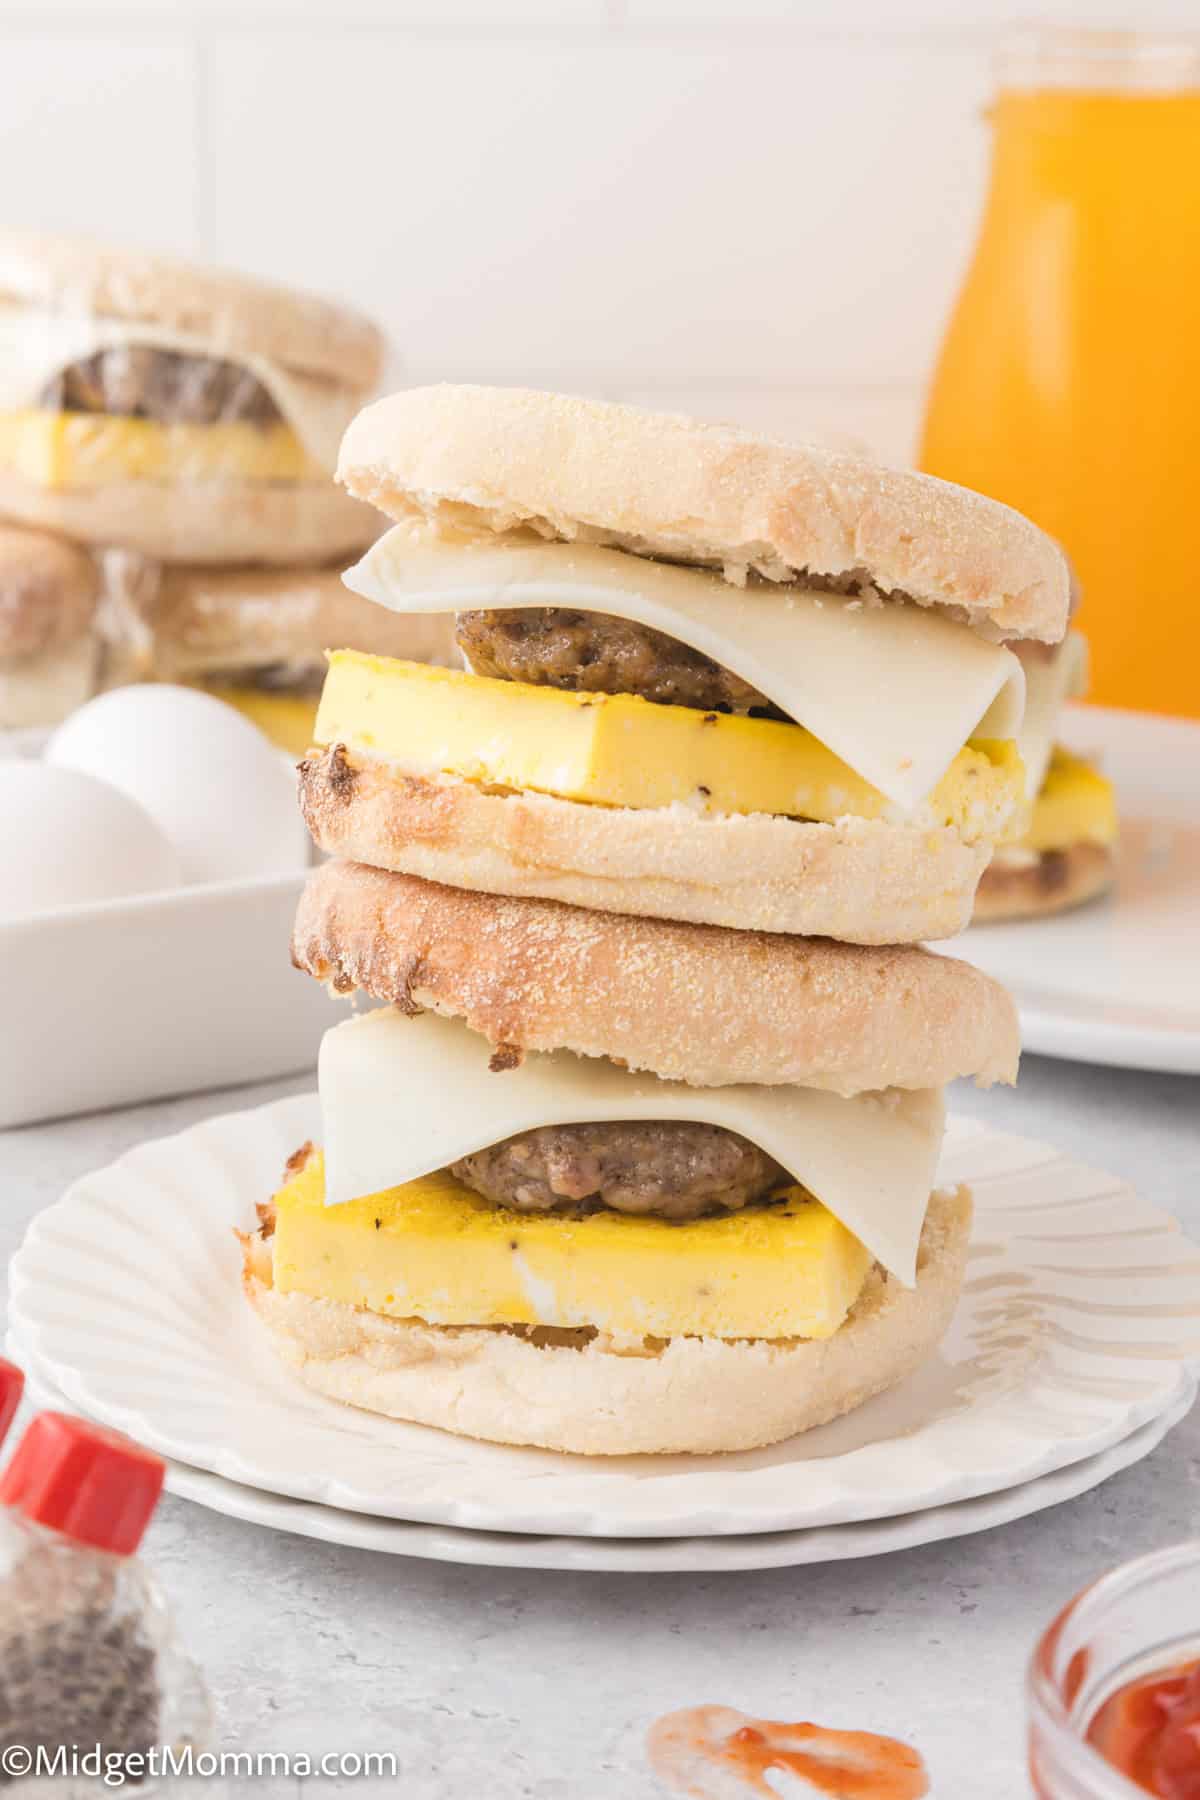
<point x="89" y="1662"/>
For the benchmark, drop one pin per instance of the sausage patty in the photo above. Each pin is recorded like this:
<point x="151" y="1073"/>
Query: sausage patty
<point x="676" y="1170"/>
<point x="555" y="646"/>
<point x="137" y="381"/>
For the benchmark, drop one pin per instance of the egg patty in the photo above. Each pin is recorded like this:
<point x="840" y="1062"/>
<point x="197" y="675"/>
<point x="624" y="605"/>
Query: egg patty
<point x="285" y="715"/>
<point x="1075" y="805"/>
<point x="622" y="750"/>
<point x="65" y="450"/>
<point x="434" y="1250"/>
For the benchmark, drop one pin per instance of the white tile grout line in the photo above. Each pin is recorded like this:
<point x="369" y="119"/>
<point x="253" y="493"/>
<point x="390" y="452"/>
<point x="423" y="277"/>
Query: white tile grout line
<point x="203" y="186"/>
<point x="605" y="385"/>
<point x="611" y="25"/>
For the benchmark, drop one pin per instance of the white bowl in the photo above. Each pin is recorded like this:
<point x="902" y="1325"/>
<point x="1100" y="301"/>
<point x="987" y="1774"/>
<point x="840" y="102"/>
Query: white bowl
<point x="129" y="1000"/>
<point x="120" y="1001"/>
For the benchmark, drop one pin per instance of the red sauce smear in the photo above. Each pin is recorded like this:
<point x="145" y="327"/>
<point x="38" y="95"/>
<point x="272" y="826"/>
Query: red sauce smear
<point x="1150" y="1730"/>
<point x="702" y="1749"/>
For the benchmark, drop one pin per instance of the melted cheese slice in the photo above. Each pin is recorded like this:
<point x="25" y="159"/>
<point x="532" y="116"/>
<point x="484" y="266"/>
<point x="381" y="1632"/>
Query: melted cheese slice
<point x="895" y="691"/>
<point x="1050" y="681"/>
<point x="402" y="1098"/>
<point x="36" y="346"/>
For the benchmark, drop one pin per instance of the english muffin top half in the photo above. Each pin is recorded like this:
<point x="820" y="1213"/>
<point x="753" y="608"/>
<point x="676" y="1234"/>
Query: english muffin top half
<point x="710" y="676"/>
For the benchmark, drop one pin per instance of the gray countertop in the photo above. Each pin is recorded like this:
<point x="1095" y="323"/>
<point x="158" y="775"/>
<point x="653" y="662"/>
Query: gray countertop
<point x="509" y="1684"/>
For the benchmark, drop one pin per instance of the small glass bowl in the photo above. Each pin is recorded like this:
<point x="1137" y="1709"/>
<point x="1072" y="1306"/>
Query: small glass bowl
<point x="1136" y="1620"/>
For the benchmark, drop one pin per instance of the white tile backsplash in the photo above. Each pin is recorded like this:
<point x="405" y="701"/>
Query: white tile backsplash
<point x="97" y="135"/>
<point x="914" y="19"/>
<point x="501" y="16"/>
<point x="673" y="213"/>
<point x="753" y="208"/>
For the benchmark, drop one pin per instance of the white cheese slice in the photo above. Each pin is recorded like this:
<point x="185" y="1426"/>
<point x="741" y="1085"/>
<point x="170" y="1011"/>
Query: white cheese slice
<point x="36" y="346"/>
<point x="402" y="1097"/>
<point x="894" y="690"/>
<point x="1050" y="681"/>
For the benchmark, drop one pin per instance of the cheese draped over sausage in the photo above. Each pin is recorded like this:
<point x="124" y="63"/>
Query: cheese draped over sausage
<point x="895" y="690"/>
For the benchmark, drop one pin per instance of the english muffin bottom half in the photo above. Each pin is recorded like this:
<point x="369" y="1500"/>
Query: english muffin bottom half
<point x="609" y="1184"/>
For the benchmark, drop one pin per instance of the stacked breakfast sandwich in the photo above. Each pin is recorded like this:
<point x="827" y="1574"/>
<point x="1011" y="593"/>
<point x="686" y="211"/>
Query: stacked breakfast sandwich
<point x="1067" y="852"/>
<point x="187" y="419"/>
<point x="639" y="1153"/>
<point x="256" y="638"/>
<point x="49" y="648"/>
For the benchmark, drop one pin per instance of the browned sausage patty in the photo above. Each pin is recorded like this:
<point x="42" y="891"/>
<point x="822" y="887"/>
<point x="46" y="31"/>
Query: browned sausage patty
<point x="555" y="646"/>
<point x="676" y="1170"/>
<point x="139" y="382"/>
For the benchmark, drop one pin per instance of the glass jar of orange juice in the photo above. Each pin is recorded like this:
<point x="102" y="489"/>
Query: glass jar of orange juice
<point x="1069" y="380"/>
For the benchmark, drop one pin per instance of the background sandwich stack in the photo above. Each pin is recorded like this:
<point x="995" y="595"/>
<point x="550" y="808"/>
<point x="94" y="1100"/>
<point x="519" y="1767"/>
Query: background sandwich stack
<point x="178" y="426"/>
<point x="49" y="644"/>
<point x="1067" y="852"/>
<point x="659" y="1176"/>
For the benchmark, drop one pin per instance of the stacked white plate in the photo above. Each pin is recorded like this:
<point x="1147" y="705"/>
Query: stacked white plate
<point x="1118" y="981"/>
<point x="1075" y="1349"/>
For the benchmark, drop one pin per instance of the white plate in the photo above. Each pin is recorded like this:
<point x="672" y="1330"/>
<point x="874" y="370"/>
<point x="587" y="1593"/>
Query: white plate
<point x="1118" y="981"/>
<point x="756" y="1550"/>
<point x="1079" y="1319"/>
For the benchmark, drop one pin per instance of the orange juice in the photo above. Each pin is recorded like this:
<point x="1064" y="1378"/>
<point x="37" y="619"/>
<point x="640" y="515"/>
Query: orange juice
<point x="1069" y="380"/>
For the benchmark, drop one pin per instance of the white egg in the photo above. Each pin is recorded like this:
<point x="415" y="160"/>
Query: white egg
<point x="223" y="796"/>
<point x="69" y="838"/>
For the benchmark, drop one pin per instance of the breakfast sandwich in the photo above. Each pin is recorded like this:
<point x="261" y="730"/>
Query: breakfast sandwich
<point x="1067" y="854"/>
<point x="191" y="414"/>
<point x="49" y="652"/>
<point x="610" y="1185"/>
<point x="257" y="638"/>
<point x="710" y="677"/>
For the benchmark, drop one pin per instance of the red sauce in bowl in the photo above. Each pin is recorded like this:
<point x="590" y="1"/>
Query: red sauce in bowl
<point x="1150" y="1730"/>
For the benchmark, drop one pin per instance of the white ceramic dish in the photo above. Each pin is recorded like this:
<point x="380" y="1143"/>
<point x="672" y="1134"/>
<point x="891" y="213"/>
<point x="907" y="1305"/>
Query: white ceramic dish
<point x="756" y="1550"/>
<point x="1118" y="981"/>
<point x="127" y="1296"/>
<point x="129" y="1000"/>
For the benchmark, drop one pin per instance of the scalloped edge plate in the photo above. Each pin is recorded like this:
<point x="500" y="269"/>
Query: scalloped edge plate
<point x="651" y="1556"/>
<point x="1079" y="1323"/>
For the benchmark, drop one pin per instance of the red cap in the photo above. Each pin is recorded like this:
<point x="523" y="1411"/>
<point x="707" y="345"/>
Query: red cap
<point x="93" y="1485"/>
<point x="11" y="1383"/>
